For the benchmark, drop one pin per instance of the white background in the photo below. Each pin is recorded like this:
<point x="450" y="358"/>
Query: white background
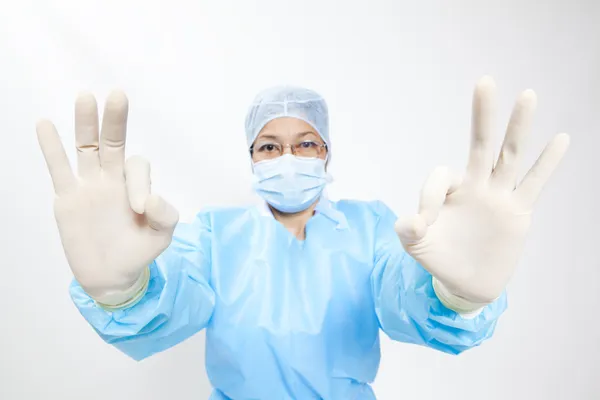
<point x="398" y="76"/>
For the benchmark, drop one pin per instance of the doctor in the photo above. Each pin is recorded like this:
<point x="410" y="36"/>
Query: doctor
<point x="293" y="294"/>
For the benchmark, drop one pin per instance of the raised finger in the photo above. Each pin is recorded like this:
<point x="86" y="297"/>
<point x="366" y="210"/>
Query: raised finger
<point x="481" y="154"/>
<point x="534" y="181"/>
<point x="56" y="158"/>
<point x="519" y="126"/>
<point x="86" y="135"/>
<point x="113" y="134"/>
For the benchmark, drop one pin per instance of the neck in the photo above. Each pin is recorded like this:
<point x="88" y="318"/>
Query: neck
<point x="295" y="222"/>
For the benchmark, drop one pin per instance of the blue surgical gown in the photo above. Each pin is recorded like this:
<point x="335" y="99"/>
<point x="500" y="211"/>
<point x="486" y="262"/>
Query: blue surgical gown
<point x="288" y="318"/>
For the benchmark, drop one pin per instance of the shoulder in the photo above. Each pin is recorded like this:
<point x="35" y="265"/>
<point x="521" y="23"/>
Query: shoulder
<point x="374" y="210"/>
<point x="216" y="215"/>
<point x="210" y="217"/>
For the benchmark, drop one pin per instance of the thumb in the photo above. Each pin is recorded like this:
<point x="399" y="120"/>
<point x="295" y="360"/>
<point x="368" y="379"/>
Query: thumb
<point x="410" y="230"/>
<point x="161" y="215"/>
<point x="440" y="183"/>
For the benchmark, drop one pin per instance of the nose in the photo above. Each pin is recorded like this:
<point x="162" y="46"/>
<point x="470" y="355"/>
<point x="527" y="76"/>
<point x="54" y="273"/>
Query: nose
<point x="287" y="149"/>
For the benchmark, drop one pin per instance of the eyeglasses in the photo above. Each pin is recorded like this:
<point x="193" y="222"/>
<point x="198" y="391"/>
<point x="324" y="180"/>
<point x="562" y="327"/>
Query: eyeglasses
<point x="263" y="150"/>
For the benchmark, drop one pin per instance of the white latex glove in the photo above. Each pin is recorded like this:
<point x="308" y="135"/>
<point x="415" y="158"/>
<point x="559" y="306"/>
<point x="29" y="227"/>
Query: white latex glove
<point x="469" y="233"/>
<point x="110" y="225"/>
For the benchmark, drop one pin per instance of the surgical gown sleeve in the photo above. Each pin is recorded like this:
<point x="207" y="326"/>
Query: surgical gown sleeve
<point x="408" y="309"/>
<point x="178" y="303"/>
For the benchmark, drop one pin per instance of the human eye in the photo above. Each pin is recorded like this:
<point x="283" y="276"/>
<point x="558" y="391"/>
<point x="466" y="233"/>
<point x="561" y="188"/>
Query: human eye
<point x="267" y="147"/>
<point x="308" y="144"/>
<point x="308" y="148"/>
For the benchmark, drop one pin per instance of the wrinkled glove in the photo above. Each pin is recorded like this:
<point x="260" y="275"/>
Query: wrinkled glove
<point x="110" y="225"/>
<point x="470" y="231"/>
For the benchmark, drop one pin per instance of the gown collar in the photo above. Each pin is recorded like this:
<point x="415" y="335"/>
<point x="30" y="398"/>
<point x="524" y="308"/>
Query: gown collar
<point x="325" y="206"/>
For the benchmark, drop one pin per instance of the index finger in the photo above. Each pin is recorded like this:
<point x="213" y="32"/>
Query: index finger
<point x="56" y="158"/>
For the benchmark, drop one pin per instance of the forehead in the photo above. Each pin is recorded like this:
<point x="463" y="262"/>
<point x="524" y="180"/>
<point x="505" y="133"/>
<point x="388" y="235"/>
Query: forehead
<point x="286" y="127"/>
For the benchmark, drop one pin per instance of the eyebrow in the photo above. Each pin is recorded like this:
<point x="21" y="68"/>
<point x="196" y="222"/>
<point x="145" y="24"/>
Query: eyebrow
<point x="307" y="133"/>
<point x="273" y="136"/>
<point x="267" y="136"/>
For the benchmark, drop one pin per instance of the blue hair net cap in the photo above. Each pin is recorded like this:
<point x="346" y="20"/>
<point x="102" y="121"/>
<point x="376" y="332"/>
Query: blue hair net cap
<point x="288" y="101"/>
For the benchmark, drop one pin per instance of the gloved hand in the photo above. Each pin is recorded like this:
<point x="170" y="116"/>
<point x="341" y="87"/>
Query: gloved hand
<point x="469" y="232"/>
<point x="110" y="225"/>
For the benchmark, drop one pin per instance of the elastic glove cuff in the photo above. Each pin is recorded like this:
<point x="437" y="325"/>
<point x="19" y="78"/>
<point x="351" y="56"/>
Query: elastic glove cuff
<point x="466" y="308"/>
<point x="128" y="298"/>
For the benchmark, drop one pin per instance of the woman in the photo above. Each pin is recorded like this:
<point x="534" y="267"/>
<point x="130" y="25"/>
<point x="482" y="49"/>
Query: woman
<point x="292" y="294"/>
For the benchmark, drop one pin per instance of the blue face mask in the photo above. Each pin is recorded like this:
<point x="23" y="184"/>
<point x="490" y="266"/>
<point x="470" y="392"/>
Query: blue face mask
<point x="290" y="184"/>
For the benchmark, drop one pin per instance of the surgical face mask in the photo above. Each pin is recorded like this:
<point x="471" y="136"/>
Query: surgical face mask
<point x="290" y="184"/>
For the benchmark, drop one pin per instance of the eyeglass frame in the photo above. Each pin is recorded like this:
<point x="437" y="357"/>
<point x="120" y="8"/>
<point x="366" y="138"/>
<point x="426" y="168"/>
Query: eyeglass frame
<point x="292" y="147"/>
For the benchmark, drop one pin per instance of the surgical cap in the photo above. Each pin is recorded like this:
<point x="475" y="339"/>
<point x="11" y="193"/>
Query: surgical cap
<point x="288" y="101"/>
